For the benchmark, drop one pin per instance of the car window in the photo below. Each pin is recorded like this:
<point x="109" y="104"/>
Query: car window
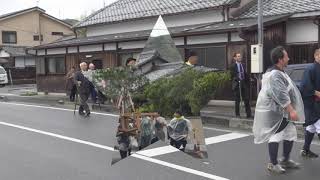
<point x="296" y="74"/>
<point x="2" y="71"/>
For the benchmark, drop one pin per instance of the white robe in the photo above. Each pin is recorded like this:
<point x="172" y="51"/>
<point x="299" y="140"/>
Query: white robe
<point x="278" y="91"/>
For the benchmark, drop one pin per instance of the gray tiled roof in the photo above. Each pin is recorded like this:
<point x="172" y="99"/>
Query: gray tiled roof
<point x="134" y="9"/>
<point x="236" y="24"/>
<point x="136" y="35"/>
<point x="15" y="51"/>
<point x="277" y="7"/>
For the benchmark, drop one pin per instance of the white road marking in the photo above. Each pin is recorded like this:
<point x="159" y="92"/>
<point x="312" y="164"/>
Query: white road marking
<point x="216" y="129"/>
<point x="6" y="94"/>
<point x="180" y="168"/>
<point x="58" y="136"/>
<point x="158" y="151"/>
<point x="225" y="137"/>
<point x="149" y="159"/>
<point x="54" y="108"/>
<point x="169" y="149"/>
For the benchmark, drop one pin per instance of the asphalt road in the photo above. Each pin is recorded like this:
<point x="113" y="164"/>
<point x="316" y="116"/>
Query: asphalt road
<point x="38" y="143"/>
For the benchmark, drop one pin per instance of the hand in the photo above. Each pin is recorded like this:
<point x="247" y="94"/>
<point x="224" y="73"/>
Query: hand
<point x="317" y="93"/>
<point x="293" y="115"/>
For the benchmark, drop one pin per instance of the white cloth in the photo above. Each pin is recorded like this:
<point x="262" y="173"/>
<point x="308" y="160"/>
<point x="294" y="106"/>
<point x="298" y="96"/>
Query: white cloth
<point x="289" y="133"/>
<point x="89" y="74"/>
<point x="179" y="129"/>
<point x="278" y="91"/>
<point x="314" y="128"/>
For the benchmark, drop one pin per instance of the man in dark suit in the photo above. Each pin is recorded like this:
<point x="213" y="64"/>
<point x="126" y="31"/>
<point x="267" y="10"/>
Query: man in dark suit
<point x="240" y="83"/>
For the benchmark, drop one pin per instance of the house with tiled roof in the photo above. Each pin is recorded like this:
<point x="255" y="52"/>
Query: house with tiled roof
<point x="120" y="30"/>
<point x="24" y="29"/>
<point x="215" y="29"/>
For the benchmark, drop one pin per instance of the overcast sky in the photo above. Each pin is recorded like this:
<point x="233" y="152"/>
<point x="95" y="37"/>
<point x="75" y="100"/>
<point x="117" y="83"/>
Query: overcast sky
<point x="58" y="8"/>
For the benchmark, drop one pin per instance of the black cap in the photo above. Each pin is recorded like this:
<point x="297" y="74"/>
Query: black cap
<point x="178" y="111"/>
<point x="191" y="53"/>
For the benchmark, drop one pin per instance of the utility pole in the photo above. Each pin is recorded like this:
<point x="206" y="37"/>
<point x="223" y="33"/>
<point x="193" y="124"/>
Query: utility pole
<point x="260" y="22"/>
<point x="260" y="41"/>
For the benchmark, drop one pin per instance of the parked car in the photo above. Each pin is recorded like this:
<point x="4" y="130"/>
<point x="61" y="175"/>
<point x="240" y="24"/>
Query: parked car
<point x="3" y="77"/>
<point x="295" y="71"/>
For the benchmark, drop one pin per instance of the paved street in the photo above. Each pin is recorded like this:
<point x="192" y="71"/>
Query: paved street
<point x="39" y="143"/>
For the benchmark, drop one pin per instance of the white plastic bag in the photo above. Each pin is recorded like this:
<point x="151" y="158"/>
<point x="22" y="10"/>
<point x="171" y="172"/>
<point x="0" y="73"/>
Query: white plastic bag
<point x="133" y="142"/>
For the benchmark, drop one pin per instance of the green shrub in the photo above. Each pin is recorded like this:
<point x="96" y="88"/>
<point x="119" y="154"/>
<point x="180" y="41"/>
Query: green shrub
<point x="204" y="89"/>
<point x="29" y="93"/>
<point x="188" y="91"/>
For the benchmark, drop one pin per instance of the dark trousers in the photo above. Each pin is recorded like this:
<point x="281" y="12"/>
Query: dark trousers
<point x="273" y="151"/>
<point x="177" y="144"/>
<point x="244" y="97"/>
<point x="83" y="103"/>
<point x="93" y="93"/>
<point x="287" y="145"/>
<point x="73" y="93"/>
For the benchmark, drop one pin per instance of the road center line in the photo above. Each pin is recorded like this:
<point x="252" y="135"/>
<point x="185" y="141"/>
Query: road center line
<point x="58" y="136"/>
<point x="54" y="108"/>
<point x="169" y="149"/>
<point x="225" y="137"/>
<point x="180" y="168"/>
<point x="163" y="163"/>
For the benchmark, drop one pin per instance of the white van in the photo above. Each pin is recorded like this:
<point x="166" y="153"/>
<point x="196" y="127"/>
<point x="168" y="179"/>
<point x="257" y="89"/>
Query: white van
<point x="3" y="77"/>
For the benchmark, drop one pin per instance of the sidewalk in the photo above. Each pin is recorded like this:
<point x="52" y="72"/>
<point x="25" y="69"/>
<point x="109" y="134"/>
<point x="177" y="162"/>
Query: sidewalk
<point x="28" y="94"/>
<point x="221" y="114"/>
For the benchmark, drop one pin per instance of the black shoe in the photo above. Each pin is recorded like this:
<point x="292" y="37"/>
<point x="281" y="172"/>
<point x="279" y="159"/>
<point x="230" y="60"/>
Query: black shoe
<point x="249" y="117"/>
<point x="87" y="114"/>
<point x="308" y="154"/>
<point x="238" y="116"/>
<point x="81" y="113"/>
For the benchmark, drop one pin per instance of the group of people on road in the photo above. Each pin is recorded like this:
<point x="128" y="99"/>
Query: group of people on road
<point x="151" y="130"/>
<point x="177" y="131"/>
<point x="280" y="106"/>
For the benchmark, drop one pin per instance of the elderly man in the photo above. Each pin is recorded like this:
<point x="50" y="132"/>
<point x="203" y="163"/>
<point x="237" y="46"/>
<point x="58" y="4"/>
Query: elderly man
<point x="90" y="76"/>
<point x="310" y="90"/>
<point x="279" y="104"/>
<point x="84" y="89"/>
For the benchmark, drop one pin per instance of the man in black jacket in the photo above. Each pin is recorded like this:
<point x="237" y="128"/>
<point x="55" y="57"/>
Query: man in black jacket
<point x="83" y="89"/>
<point x="240" y="83"/>
<point x="310" y="91"/>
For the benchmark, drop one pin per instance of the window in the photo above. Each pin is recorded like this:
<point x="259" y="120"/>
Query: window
<point x="9" y="37"/>
<point x="36" y="37"/>
<point x="302" y="53"/>
<point x="57" y="33"/>
<point x="213" y="57"/>
<point x="2" y="71"/>
<point x="55" y="65"/>
<point x="22" y="62"/>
